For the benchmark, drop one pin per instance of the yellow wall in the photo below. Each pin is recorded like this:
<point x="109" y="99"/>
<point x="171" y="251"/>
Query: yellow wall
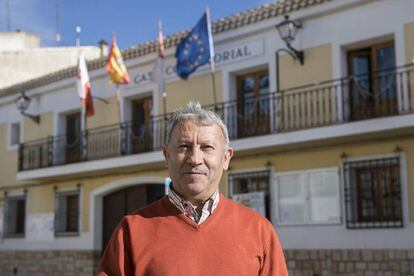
<point x="194" y="88"/>
<point x="105" y="114"/>
<point x="409" y="42"/>
<point x="8" y="160"/>
<point x="41" y="199"/>
<point x="317" y="67"/>
<point x="33" y="131"/>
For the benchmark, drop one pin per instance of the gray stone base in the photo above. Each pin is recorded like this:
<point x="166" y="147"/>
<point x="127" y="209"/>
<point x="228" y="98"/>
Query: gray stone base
<point x="39" y="263"/>
<point x="350" y="262"/>
<point x="300" y="262"/>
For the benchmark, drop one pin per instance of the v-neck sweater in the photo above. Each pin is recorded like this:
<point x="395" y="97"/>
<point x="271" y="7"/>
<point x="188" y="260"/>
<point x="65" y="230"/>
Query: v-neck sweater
<point x="160" y="240"/>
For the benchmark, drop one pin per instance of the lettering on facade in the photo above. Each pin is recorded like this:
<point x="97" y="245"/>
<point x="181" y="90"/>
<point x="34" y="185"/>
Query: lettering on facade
<point x="146" y="76"/>
<point x="221" y="57"/>
<point x="232" y="54"/>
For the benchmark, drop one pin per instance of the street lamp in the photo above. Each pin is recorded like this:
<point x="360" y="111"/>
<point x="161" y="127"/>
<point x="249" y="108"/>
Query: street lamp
<point x="287" y="30"/>
<point x="22" y="103"/>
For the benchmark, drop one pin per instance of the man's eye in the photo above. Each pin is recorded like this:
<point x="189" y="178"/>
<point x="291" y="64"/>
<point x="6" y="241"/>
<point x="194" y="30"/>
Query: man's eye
<point x="208" y="147"/>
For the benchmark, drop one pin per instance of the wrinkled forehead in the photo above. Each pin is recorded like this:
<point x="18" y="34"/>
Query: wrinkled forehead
<point x="183" y="130"/>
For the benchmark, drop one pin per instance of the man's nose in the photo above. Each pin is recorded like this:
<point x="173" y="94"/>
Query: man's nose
<point x="195" y="156"/>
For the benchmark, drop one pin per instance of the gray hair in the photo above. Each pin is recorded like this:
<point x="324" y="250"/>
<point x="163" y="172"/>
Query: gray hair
<point x="194" y="112"/>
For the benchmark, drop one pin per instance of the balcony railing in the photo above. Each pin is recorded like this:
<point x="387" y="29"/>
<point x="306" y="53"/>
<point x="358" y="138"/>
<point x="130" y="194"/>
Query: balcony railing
<point x="353" y="98"/>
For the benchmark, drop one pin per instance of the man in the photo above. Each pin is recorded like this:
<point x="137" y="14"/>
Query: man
<point x="194" y="230"/>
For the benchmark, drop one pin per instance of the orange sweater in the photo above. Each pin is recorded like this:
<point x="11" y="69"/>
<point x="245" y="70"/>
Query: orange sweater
<point x="159" y="240"/>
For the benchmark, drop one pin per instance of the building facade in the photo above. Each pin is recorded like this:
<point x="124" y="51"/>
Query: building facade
<point x="23" y="59"/>
<point x="326" y="147"/>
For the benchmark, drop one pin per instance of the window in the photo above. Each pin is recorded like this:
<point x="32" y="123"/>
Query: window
<point x="373" y="193"/>
<point x="15" y="217"/>
<point x="252" y="189"/>
<point x="14" y="134"/>
<point x="141" y="128"/>
<point x="308" y="197"/>
<point x="73" y="137"/>
<point x="373" y="89"/>
<point x="67" y="213"/>
<point x="253" y="105"/>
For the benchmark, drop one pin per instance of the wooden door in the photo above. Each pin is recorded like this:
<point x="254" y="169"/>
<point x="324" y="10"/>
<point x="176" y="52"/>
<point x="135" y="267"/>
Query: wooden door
<point x="141" y="127"/>
<point x="373" y="84"/>
<point x="73" y="137"/>
<point x="120" y="203"/>
<point x="253" y="108"/>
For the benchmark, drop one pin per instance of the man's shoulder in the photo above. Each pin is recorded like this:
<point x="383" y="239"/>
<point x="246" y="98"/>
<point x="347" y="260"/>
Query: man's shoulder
<point x="155" y="209"/>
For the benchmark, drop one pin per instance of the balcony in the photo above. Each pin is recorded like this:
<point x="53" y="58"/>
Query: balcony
<point x="354" y="98"/>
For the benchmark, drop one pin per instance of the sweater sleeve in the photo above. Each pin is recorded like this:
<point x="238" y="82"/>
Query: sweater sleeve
<point x="274" y="262"/>
<point x="116" y="259"/>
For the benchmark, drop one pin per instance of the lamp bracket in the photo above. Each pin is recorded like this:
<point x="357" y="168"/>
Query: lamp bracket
<point x="34" y="118"/>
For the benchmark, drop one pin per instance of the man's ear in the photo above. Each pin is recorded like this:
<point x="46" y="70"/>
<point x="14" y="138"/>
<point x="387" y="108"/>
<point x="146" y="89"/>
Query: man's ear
<point x="166" y="154"/>
<point x="227" y="156"/>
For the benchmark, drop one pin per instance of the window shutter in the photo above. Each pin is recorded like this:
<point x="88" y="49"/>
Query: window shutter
<point x="292" y="198"/>
<point x="60" y="211"/>
<point x="324" y="196"/>
<point x="12" y="214"/>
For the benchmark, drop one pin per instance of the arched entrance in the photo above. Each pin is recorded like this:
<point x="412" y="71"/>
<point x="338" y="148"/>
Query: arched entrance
<point x="122" y="202"/>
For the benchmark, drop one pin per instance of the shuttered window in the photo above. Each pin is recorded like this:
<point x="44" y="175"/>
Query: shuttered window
<point x="67" y="213"/>
<point x="308" y="197"/>
<point x="15" y="217"/>
<point x="15" y="134"/>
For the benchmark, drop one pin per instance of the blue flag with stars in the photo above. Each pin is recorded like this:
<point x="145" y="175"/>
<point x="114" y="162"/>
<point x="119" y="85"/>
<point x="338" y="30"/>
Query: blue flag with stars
<point x="193" y="50"/>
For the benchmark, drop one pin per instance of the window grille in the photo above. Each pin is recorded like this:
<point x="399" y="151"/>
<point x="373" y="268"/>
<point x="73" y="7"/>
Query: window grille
<point x="15" y="217"/>
<point x="250" y="182"/>
<point x="67" y="213"/>
<point x="373" y="193"/>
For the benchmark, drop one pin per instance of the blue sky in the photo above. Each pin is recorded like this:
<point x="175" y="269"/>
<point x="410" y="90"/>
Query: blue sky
<point x="134" y="21"/>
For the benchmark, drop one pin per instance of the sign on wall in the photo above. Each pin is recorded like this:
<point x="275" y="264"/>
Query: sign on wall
<point x="253" y="200"/>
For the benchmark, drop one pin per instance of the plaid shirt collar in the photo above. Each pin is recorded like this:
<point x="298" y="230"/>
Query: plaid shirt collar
<point x="188" y="209"/>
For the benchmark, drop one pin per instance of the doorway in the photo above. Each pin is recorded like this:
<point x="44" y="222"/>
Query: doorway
<point x="122" y="202"/>
<point x="373" y="87"/>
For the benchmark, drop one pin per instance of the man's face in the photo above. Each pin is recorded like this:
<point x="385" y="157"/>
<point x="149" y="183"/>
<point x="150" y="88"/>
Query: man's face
<point x="195" y="158"/>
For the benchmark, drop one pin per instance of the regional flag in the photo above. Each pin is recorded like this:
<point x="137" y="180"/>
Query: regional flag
<point x="115" y="65"/>
<point x="195" y="49"/>
<point x="84" y="86"/>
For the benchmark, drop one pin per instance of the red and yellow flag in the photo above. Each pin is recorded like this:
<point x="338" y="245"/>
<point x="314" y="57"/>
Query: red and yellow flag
<point x="115" y="65"/>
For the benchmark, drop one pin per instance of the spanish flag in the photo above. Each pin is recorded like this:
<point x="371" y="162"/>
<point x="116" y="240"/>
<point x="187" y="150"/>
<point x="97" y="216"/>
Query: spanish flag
<point x="115" y="65"/>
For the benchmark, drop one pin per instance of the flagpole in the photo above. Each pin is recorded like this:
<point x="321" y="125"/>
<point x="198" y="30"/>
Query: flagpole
<point x="161" y="84"/>
<point x="212" y="64"/>
<point x="83" y="115"/>
<point x="83" y="112"/>
<point x="117" y="91"/>
<point x="164" y="102"/>
<point x="118" y="101"/>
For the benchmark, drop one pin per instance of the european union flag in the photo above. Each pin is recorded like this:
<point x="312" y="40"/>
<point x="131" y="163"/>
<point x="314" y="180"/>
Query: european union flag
<point x="193" y="50"/>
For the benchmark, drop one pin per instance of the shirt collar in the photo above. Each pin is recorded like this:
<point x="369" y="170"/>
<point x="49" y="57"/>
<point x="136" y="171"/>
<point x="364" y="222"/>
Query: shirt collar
<point x="188" y="209"/>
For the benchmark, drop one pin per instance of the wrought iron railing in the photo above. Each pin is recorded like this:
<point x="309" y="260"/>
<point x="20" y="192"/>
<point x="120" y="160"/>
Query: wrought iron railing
<point x="385" y="93"/>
